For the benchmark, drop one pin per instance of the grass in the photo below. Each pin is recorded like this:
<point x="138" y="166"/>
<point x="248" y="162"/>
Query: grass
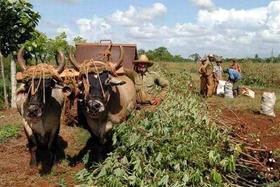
<point x="244" y="103"/>
<point x="8" y="131"/>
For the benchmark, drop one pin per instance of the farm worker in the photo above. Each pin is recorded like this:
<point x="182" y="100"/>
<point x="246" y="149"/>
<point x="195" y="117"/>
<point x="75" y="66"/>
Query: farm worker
<point x="206" y="70"/>
<point x="218" y="72"/>
<point x="235" y="66"/>
<point x="146" y="82"/>
<point x="234" y="77"/>
<point x="203" y="77"/>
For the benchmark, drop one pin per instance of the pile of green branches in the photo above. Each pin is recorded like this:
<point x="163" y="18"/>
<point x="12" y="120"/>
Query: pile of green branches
<point x="174" y="145"/>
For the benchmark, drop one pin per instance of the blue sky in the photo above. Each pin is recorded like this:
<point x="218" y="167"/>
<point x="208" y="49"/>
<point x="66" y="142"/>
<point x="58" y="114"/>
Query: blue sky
<point x="229" y="28"/>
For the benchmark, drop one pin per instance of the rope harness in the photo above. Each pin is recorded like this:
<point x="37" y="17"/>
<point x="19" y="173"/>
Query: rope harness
<point x="69" y="77"/>
<point x="41" y="72"/>
<point x="96" y="67"/>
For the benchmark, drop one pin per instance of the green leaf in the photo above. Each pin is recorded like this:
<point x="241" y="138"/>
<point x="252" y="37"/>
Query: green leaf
<point x="159" y="157"/>
<point x="114" y="139"/>
<point x="237" y="150"/>
<point x="164" y="181"/>
<point x="119" y="172"/>
<point x="216" y="177"/>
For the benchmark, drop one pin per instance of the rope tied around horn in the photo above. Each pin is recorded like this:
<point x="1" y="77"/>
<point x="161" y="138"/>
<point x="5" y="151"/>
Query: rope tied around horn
<point x="40" y="72"/>
<point x="97" y="67"/>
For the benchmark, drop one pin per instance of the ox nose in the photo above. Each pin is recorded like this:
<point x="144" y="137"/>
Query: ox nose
<point x="96" y="106"/>
<point x="34" y="111"/>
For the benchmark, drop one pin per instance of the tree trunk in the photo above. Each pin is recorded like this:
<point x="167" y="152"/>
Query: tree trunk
<point x="13" y="83"/>
<point x="4" y="82"/>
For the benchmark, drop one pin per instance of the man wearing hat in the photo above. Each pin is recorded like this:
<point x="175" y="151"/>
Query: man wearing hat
<point x="146" y="82"/>
<point x="207" y="76"/>
<point x="218" y="70"/>
<point x="203" y="77"/>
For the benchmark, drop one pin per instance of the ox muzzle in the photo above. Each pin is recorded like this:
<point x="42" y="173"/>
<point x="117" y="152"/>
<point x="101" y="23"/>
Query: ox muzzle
<point x="95" y="107"/>
<point x="34" y="112"/>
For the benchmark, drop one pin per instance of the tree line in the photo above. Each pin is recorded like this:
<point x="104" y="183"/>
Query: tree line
<point x="162" y="54"/>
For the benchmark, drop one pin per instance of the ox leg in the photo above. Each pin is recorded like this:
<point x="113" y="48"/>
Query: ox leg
<point x="52" y="145"/>
<point x="32" y="143"/>
<point x="108" y="127"/>
<point x="103" y="131"/>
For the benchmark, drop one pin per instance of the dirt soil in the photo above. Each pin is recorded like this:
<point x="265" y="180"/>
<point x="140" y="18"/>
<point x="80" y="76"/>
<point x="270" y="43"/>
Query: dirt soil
<point x="255" y="127"/>
<point x="14" y="162"/>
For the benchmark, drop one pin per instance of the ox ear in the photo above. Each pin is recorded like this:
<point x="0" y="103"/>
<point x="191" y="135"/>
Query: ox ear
<point x="115" y="82"/>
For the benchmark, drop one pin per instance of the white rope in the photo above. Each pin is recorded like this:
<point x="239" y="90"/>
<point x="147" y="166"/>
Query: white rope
<point x="99" y="80"/>
<point x="34" y="92"/>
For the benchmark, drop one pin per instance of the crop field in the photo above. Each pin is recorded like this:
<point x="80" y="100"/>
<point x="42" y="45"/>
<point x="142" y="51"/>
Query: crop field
<point x="187" y="140"/>
<point x="108" y="93"/>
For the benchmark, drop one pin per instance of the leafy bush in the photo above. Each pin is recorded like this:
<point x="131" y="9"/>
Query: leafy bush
<point x="8" y="131"/>
<point x="175" y="145"/>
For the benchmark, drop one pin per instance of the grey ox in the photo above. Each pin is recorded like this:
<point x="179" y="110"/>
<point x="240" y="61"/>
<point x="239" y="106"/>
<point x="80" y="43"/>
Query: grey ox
<point x="40" y="102"/>
<point x="105" y="98"/>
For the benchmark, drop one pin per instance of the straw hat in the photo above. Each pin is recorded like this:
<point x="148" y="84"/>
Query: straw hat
<point x="211" y="55"/>
<point x="143" y="60"/>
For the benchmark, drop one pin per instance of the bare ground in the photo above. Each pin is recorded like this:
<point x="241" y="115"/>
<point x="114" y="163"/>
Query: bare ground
<point x="14" y="162"/>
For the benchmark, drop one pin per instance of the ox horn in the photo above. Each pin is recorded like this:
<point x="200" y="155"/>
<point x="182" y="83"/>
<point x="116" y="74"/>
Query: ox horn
<point x="118" y="64"/>
<point x="73" y="60"/>
<point x="116" y="82"/>
<point x="20" y="59"/>
<point x="61" y="62"/>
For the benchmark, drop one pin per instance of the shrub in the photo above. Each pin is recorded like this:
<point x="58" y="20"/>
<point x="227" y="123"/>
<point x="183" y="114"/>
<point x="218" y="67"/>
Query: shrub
<point x="175" y="145"/>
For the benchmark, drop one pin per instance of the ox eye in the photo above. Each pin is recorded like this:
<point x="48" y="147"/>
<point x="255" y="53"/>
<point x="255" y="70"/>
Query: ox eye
<point x="107" y="82"/>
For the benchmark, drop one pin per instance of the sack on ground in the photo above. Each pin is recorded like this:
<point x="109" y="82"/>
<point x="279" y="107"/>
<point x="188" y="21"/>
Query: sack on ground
<point x="248" y="92"/>
<point x="228" y="90"/>
<point x="267" y="103"/>
<point x="221" y="88"/>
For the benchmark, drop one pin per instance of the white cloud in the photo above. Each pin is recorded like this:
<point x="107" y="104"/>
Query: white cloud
<point x="64" y="29"/>
<point x="94" y="29"/>
<point x="247" y="19"/>
<point x="69" y="33"/>
<point x="204" y="4"/>
<point x="228" y="32"/>
<point x="137" y="16"/>
<point x="223" y="31"/>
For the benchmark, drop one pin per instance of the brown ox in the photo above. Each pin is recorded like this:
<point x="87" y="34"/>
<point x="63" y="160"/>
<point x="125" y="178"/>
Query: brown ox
<point x="39" y="102"/>
<point x="105" y="99"/>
